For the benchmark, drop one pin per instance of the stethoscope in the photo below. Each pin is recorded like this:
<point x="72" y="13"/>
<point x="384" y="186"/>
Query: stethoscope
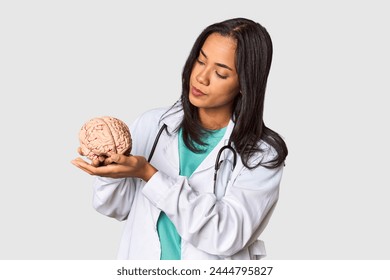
<point x="218" y="161"/>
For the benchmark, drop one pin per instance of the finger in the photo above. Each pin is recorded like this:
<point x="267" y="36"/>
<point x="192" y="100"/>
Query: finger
<point x="102" y="158"/>
<point x="95" y="162"/>
<point x="85" y="170"/>
<point x="80" y="151"/>
<point x="82" y="164"/>
<point x="116" y="158"/>
<point x="78" y="162"/>
<point x="103" y="171"/>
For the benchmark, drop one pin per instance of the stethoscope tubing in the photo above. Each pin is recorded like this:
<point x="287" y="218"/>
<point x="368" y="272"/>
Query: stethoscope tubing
<point x="156" y="142"/>
<point x="217" y="160"/>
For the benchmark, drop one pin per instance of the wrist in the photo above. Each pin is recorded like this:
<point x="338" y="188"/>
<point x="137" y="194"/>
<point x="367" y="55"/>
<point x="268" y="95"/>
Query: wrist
<point x="148" y="172"/>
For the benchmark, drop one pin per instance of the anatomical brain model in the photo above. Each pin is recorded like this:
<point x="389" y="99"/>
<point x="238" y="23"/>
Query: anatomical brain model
<point x="103" y="135"/>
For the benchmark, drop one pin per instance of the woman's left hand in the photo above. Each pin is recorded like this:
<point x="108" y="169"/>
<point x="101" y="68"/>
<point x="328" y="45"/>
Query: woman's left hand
<point x="119" y="166"/>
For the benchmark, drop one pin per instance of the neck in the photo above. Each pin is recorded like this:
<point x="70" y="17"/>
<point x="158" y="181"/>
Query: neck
<point x="213" y="120"/>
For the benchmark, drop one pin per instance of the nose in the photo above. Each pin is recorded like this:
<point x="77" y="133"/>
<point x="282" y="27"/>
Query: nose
<point x="203" y="77"/>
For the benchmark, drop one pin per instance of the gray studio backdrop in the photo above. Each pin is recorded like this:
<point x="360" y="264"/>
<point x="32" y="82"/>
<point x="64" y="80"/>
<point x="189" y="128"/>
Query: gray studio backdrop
<point x="64" y="62"/>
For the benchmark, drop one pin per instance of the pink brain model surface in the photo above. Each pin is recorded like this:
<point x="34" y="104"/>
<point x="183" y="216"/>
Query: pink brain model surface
<point x="102" y="135"/>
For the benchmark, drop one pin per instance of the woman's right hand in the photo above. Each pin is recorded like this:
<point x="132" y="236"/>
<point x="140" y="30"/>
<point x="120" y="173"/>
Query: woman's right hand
<point x="117" y="166"/>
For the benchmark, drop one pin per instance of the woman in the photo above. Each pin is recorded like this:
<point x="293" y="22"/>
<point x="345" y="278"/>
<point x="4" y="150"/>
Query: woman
<point x="172" y="206"/>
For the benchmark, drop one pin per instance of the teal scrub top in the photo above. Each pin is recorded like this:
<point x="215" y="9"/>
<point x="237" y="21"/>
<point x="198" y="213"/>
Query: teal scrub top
<point x="170" y="240"/>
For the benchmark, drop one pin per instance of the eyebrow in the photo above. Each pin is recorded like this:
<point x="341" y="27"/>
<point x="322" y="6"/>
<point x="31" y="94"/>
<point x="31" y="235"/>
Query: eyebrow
<point x="218" y="64"/>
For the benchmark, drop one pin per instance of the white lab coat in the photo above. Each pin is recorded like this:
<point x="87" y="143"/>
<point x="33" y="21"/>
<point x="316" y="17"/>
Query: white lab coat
<point x="222" y="226"/>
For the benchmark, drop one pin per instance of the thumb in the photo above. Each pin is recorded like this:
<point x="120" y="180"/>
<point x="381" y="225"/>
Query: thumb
<point x="80" y="151"/>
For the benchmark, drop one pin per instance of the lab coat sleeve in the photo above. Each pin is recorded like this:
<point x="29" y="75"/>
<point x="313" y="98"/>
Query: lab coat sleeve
<point x="218" y="227"/>
<point x="113" y="197"/>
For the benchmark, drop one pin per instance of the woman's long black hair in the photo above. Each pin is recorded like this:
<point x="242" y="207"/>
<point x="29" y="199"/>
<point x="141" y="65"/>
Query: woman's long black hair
<point x="253" y="58"/>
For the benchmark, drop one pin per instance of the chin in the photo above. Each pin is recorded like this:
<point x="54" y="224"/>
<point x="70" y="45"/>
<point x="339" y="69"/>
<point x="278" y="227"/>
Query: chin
<point x="194" y="102"/>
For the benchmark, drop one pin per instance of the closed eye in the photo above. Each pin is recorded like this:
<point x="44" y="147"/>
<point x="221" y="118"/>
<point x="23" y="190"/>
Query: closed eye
<point x="200" y="62"/>
<point x="220" y="76"/>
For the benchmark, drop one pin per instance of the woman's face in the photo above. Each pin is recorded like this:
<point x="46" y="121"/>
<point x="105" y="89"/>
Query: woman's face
<point x="214" y="80"/>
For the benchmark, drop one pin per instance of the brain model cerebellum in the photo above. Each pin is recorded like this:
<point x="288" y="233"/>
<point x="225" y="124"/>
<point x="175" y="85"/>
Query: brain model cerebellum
<point x="102" y="135"/>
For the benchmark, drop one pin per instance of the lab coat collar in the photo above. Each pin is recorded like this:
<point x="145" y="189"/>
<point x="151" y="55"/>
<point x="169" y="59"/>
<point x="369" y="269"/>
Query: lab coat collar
<point x="173" y="117"/>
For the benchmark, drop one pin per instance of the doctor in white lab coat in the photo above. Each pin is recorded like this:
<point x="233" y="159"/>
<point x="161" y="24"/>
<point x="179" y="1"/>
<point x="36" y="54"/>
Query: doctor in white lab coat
<point x="215" y="220"/>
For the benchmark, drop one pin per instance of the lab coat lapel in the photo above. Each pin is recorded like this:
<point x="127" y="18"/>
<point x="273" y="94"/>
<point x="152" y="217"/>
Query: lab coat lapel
<point x="166" y="156"/>
<point x="171" y="152"/>
<point x="169" y="143"/>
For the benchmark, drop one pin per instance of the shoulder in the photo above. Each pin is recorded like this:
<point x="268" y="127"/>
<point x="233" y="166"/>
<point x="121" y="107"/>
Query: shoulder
<point x="152" y="114"/>
<point x="147" y="123"/>
<point x="144" y="130"/>
<point x="149" y="120"/>
<point x="265" y="154"/>
<point x="170" y="115"/>
<point x="153" y="119"/>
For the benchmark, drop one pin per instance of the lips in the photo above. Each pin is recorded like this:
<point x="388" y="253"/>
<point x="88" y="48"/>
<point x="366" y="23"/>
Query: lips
<point x="196" y="92"/>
